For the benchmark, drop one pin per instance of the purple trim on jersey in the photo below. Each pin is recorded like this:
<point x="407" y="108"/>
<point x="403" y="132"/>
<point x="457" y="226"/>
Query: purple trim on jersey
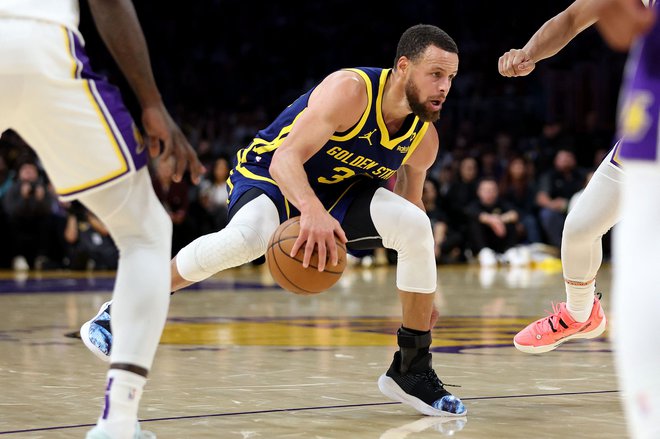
<point x="111" y="99"/>
<point x="616" y="151"/>
<point x="106" y="409"/>
<point x="642" y="94"/>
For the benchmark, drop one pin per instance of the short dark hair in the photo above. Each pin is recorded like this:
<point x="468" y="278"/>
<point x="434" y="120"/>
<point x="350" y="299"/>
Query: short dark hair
<point x="486" y="179"/>
<point x="416" y="39"/>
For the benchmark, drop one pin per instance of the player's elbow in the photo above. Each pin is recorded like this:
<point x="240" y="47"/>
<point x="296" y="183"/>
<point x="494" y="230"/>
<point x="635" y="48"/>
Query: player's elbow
<point x="277" y="165"/>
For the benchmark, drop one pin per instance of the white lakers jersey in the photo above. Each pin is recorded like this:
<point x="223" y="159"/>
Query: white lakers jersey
<point x="64" y="12"/>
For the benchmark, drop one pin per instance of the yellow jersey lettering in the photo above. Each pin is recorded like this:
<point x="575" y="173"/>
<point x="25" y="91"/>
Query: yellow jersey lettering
<point x="357" y="161"/>
<point x="368" y="164"/>
<point x="342" y="174"/>
<point x="384" y="172"/>
<point x="344" y="156"/>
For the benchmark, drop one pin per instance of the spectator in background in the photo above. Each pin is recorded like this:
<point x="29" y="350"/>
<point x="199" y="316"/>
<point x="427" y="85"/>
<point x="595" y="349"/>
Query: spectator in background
<point x="6" y="180"/>
<point x="58" y="248"/>
<point x="517" y="187"/>
<point x="445" y="180"/>
<point x="491" y="223"/>
<point x="90" y="243"/>
<point x="489" y="164"/>
<point x="461" y="193"/>
<point x="28" y="208"/>
<point x="6" y="177"/>
<point x="448" y="241"/>
<point x="556" y="187"/>
<point x="213" y="193"/>
<point x="174" y="197"/>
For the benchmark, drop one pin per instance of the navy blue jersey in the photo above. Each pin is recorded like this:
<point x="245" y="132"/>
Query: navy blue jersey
<point x="364" y="154"/>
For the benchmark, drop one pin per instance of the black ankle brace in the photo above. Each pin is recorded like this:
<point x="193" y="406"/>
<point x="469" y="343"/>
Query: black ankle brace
<point x="412" y="345"/>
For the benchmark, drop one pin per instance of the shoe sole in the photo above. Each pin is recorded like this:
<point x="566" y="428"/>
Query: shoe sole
<point x="549" y="347"/>
<point x="84" y="336"/>
<point x="97" y="433"/>
<point x="391" y="389"/>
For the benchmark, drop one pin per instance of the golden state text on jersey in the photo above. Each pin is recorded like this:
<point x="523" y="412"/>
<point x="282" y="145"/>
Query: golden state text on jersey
<point x="365" y="151"/>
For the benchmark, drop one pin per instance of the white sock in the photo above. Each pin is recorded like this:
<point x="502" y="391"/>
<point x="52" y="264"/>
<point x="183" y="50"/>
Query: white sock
<point x="122" y="399"/>
<point x="580" y="299"/>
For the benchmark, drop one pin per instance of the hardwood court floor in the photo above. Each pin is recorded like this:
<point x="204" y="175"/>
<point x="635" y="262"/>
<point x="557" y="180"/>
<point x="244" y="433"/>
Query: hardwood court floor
<point x="240" y="358"/>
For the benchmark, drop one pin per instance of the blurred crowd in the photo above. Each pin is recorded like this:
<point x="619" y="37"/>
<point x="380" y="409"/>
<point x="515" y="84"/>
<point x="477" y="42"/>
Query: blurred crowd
<point x="485" y="207"/>
<point x="514" y="152"/>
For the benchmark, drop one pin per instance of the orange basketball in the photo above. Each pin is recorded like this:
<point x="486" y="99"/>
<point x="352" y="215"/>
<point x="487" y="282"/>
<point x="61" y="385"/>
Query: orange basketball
<point x="289" y="273"/>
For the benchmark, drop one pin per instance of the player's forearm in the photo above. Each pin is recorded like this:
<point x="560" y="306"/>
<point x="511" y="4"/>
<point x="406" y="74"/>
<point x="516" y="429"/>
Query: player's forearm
<point x="560" y="30"/>
<point x="118" y="25"/>
<point x="288" y="172"/>
<point x="401" y="188"/>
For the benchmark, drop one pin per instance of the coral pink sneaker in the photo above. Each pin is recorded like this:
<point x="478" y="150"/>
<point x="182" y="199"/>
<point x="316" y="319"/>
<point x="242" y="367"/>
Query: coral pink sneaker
<point x="549" y="332"/>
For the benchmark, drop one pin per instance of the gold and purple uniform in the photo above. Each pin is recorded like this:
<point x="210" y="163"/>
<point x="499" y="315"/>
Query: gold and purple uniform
<point x="639" y="127"/>
<point x="365" y="154"/>
<point x="74" y="118"/>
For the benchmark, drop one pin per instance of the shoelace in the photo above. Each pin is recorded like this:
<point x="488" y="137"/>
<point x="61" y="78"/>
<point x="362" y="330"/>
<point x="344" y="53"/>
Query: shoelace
<point x="553" y="319"/>
<point x="435" y="381"/>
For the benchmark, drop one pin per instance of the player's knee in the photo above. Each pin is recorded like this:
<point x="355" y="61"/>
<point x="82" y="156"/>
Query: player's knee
<point x="255" y="240"/>
<point x="416" y="271"/>
<point x="158" y="224"/>
<point x="236" y="244"/>
<point x="578" y="227"/>
<point x="147" y="227"/>
<point x="413" y="234"/>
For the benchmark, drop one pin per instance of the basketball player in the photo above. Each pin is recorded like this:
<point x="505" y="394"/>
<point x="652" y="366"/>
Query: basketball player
<point x="92" y="151"/>
<point x="636" y="260"/>
<point x="326" y="157"/>
<point x="596" y="211"/>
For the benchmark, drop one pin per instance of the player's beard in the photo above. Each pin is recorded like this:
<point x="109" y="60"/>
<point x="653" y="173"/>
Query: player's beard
<point x="418" y="107"/>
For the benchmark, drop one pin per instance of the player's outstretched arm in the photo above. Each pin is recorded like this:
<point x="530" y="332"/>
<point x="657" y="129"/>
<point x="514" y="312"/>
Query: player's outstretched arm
<point x="620" y="22"/>
<point x="119" y="27"/>
<point x="549" y="39"/>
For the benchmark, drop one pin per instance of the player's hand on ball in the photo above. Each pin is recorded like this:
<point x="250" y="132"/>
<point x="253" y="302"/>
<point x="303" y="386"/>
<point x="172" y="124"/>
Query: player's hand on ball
<point x="317" y="231"/>
<point x="287" y="267"/>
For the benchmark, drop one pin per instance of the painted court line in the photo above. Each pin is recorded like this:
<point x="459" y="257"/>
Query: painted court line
<point x="299" y="409"/>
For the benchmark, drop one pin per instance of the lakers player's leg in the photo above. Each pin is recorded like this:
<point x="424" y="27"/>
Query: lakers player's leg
<point x="252" y="222"/>
<point x="142" y="231"/>
<point x="253" y="219"/>
<point x="594" y="214"/>
<point x="85" y="137"/>
<point x="581" y="316"/>
<point x="637" y="298"/>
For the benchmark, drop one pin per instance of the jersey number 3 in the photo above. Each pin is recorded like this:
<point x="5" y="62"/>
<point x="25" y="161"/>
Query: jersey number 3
<point x="342" y="173"/>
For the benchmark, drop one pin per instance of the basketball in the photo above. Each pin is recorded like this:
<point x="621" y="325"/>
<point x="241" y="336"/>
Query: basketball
<point x="288" y="271"/>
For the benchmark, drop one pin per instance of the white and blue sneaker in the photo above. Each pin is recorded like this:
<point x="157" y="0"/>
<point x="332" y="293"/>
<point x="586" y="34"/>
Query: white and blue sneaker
<point x="96" y="333"/>
<point x="97" y="433"/>
<point x="420" y="388"/>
